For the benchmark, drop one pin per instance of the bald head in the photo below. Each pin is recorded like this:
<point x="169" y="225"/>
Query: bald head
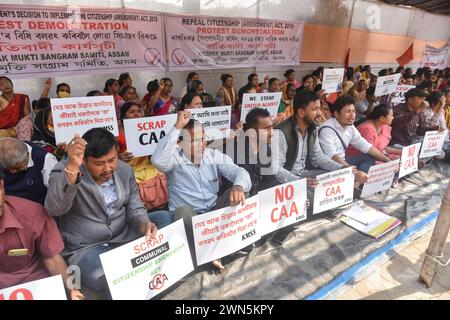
<point x="13" y="152"/>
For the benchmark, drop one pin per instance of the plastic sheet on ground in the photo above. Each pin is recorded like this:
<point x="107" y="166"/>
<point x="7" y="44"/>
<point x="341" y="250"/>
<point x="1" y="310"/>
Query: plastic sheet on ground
<point x="317" y="251"/>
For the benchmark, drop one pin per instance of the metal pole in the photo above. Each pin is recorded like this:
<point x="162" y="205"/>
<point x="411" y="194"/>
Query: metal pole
<point x="437" y="242"/>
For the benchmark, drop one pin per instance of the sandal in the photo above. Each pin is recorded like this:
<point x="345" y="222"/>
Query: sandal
<point x="218" y="265"/>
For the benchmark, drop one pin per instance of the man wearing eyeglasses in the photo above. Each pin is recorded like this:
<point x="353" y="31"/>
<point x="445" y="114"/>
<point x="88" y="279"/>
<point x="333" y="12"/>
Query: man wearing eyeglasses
<point x="27" y="169"/>
<point x="193" y="173"/>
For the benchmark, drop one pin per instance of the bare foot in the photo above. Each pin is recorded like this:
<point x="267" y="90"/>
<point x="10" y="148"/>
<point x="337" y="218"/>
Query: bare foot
<point x="218" y="264"/>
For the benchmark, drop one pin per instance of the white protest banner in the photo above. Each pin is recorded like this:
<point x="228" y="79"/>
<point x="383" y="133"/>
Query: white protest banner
<point x="51" y="288"/>
<point x="332" y="80"/>
<point x="436" y="58"/>
<point x="143" y="268"/>
<point x="216" y="121"/>
<point x="74" y="40"/>
<point x="143" y="134"/>
<point x="410" y="159"/>
<point x="281" y="206"/>
<point x="432" y="143"/>
<point x="78" y="115"/>
<point x="398" y="96"/>
<point x="221" y="232"/>
<point x="206" y="42"/>
<point x="387" y="84"/>
<point x="380" y="178"/>
<point x="268" y="101"/>
<point x="335" y="189"/>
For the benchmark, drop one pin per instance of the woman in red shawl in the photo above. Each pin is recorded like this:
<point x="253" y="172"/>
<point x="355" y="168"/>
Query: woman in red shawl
<point x="13" y="107"/>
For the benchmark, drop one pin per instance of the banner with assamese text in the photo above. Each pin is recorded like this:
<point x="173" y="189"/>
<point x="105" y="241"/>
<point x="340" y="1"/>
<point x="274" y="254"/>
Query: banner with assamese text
<point x="43" y="40"/>
<point x="205" y="42"/>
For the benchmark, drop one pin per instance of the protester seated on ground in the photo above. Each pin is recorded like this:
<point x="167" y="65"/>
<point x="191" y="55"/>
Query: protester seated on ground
<point x="336" y="134"/>
<point x="366" y="74"/>
<point x="317" y="77"/>
<point x="263" y="87"/>
<point x="252" y="81"/>
<point x="94" y="93"/>
<point x="297" y="154"/>
<point x="409" y="80"/>
<point x="406" y="118"/>
<point x="193" y="173"/>
<point x="307" y="84"/>
<point x="400" y="69"/>
<point x="165" y="102"/>
<point x="420" y="76"/>
<point x="112" y="88"/>
<point x="383" y="73"/>
<point x="287" y="100"/>
<point x="125" y="80"/>
<point x="250" y="149"/>
<point x="30" y="244"/>
<point x="290" y="78"/>
<point x="44" y="134"/>
<point x="192" y="76"/>
<point x="376" y="129"/>
<point x="191" y="100"/>
<point x="62" y="89"/>
<point x="236" y="110"/>
<point x="324" y="105"/>
<point x="359" y="91"/>
<point x="274" y="85"/>
<point x="207" y="99"/>
<point x="150" y="98"/>
<point x="13" y="107"/>
<point x="24" y="129"/>
<point x="26" y="168"/>
<point x="128" y="94"/>
<point x="433" y="116"/>
<point x="226" y="95"/>
<point x="95" y="197"/>
<point x="426" y="85"/>
<point x="348" y="81"/>
<point x="365" y="106"/>
<point x="151" y="183"/>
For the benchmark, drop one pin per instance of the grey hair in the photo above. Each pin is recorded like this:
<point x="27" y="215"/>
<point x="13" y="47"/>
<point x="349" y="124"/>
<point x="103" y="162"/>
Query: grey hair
<point x="12" y="152"/>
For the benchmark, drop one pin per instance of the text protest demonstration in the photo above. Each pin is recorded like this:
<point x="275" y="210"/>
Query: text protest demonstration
<point x="398" y="96"/>
<point x="380" y="178"/>
<point x="409" y="160"/>
<point x="143" y="268"/>
<point x="51" y="288"/>
<point x="335" y="189"/>
<point x="221" y="232"/>
<point x="282" y="206"/>
<point x="143" y="134"/>
<point x="387" y="85"/>
<point x="78" y="115"/>
<point x="436" y="58"/>
<point x="218" y="42"/>
<point x="45" y="40"/>
<point x="432" y="143"/>
<point x="332" y="80"/>
<point x="216" y="121"/>
<point x="269" y="101"/>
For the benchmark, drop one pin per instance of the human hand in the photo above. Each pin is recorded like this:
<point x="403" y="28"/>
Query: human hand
<point x="126" y="156"/>
<point x="183" y="118"/>
<point x="237" y="196"/>
<point x="75" y="153"/>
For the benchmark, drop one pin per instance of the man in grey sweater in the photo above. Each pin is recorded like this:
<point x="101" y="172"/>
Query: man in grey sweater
<point x="95" y="198"/>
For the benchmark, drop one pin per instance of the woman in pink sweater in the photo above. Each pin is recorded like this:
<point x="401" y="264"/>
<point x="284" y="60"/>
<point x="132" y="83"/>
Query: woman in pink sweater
<point x="377" y="130"/>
